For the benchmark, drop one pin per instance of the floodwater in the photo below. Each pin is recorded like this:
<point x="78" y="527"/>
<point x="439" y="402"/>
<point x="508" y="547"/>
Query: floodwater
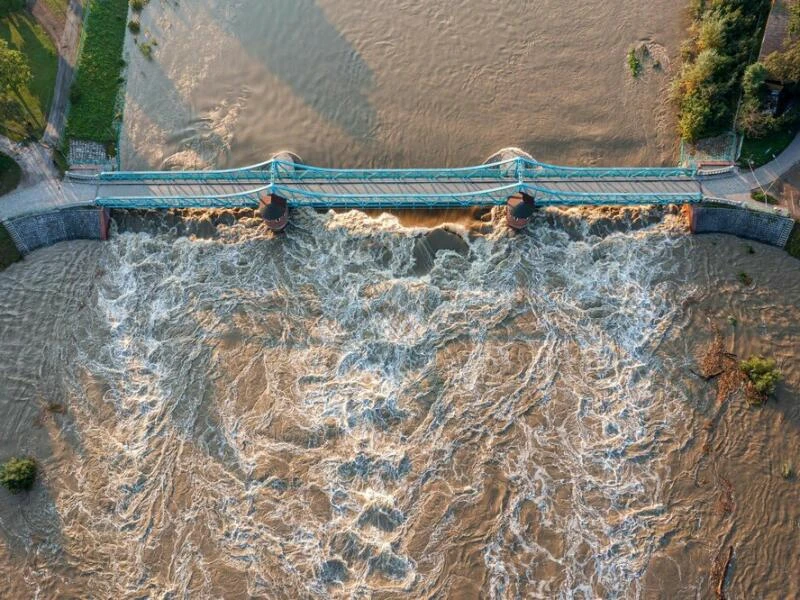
<point x="399" y="83"/>
<point x="368" y="408"/>
<point x="346" y="412"/>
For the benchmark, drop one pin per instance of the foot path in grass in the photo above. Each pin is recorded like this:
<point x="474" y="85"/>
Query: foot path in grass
<point x="67" y="59"/>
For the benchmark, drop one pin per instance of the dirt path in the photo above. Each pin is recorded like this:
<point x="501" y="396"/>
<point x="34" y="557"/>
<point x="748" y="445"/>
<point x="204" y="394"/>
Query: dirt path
<point x="67" y="58"/>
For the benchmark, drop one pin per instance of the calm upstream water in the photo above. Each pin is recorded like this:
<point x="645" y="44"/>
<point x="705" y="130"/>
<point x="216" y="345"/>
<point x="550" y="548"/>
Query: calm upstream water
<point x="364" y="408"/>
<point x="396" y="83"/>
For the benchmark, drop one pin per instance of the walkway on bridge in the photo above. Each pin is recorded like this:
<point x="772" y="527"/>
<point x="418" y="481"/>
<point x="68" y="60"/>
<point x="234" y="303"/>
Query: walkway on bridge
<point x="485" y="185"/>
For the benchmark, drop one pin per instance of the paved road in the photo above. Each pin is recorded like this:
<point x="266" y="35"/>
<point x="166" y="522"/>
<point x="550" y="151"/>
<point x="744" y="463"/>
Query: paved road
<point x="738" y="185"/>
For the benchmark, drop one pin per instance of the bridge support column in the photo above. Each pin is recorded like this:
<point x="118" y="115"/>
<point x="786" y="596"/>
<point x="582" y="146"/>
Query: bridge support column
<point x="105" y="223"/>
<point x="519" y="210"/>
<point x="275" y="212"/>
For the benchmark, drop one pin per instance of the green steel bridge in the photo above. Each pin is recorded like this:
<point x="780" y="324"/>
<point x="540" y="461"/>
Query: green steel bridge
<point x="490" y="184"/>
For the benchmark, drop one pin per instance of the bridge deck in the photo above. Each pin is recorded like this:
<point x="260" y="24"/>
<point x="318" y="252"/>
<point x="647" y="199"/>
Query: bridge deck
<point x="360" y="193"/>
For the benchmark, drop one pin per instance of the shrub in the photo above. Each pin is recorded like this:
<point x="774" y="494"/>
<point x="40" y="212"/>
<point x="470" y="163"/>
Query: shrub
<point x="138" y="5"/>
<point x="18" y="474"/>
<point x="763" y="375"/>
<point x="134" y="26"/>
<point x="761" y="196"/>
<point x="744" y="279"/>
<point x="634" y="64"/>
<point x="787" y="470"/>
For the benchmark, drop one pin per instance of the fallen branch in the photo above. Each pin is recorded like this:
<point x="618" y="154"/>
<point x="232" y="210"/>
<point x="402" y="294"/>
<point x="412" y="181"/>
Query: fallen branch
<point x="723" y="574"/>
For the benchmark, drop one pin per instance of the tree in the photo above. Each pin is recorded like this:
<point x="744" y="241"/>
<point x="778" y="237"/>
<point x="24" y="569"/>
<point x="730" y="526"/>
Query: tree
<point x="14" y="70"/>
<point x="9" y="6"/>
<point x="785" y="66"/>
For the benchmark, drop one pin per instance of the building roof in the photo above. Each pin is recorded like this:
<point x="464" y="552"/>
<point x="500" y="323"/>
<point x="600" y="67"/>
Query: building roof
<point x="776" y="34"/>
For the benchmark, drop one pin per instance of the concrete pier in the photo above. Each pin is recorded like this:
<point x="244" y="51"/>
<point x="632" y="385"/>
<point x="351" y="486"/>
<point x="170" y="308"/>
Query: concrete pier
<point x="275" y="212"/>
<point x="519" y="210"/>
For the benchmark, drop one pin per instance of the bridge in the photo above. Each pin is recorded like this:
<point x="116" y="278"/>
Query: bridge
<point x="284" y="182"/>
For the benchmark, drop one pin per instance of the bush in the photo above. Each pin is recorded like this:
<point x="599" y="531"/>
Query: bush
<point x="134" y="26"/>
<point x="634" y="64"/>
<point x="764" y="197"/>
<point x="763" y="375"/>
<point x="18" y="474"/>
<point x="138" y="5"/>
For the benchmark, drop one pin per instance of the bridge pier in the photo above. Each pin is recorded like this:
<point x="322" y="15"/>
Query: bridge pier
<point x="519" y="210"/>
<point x="275" y="212"/>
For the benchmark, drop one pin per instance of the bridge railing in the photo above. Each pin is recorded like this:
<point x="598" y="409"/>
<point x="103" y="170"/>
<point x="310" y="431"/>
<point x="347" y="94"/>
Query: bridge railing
<point x="503" y="170"/>
<point x="537" y="170"/>
<point x="518" y="168"/>
<point x="549" y="197"/>
<point x="298" y="197"/>
<point x="257" y="172"/>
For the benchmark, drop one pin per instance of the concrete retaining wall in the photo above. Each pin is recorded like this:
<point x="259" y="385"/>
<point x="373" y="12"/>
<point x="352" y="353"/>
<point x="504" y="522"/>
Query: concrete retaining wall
<point x="36" y="231"/>
<point x="760" y="226"/>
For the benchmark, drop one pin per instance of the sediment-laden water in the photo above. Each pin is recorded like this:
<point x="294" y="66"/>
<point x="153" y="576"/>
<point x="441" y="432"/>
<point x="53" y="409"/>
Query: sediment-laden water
<point x="393" y="83"/>
<point x="344" y="411"/>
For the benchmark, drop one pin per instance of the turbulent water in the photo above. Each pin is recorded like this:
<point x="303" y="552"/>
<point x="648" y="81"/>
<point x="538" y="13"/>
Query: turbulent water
<point x="394" y="83"/>
<point x="345" y="411"/>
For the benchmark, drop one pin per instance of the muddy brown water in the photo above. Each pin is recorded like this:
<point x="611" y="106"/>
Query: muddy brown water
<point x="390" y="83"/>
<point x="228" y="413"/>
<point x="364" y="408"/>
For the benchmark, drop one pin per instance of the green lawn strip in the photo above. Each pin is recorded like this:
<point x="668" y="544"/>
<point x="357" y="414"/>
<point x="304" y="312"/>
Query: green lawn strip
<point x="23" y="114"/>
<point x="10" y="174"/>
<point x="8" y="251"/>
<point x="757" y="152"/>
<point x="94" y="92"/>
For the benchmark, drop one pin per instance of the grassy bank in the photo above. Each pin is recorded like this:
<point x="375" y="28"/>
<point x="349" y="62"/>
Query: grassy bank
<point x="94" y="92"/>
<point x="759" y="151"/>
<point x="10" y="174"/>
<point x="23" y="114"/>
<point x="8" y="251"/>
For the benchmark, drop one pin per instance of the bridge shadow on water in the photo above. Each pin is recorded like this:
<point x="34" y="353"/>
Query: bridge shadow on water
<point x="319" y="67"/>
<point x="319" y="64"/>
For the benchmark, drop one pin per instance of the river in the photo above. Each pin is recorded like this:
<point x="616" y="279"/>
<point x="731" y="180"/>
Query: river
<point x="345" y="411"/>
<point x="390" y="83"/>
<point x="365" y="407"/>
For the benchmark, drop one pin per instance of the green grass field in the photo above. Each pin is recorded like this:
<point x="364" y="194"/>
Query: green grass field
<point x="95" y="89"/>
<point x="10" y="174"/>
<point x="8" y="251"/>
<point x="757" y="152"/>
<point x="24" y="114"/>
